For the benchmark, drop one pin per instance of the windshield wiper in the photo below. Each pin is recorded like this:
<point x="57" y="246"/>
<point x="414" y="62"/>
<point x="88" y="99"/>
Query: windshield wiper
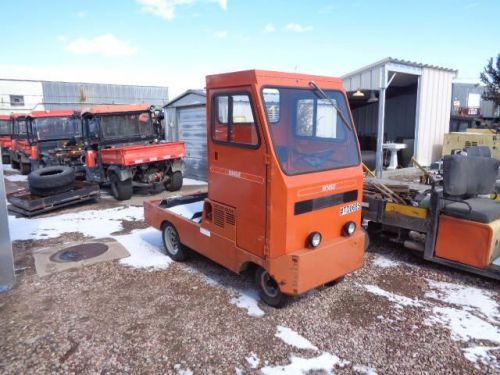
<point x="339" y="111"/>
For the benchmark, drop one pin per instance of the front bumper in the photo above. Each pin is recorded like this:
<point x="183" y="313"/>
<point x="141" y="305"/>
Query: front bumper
<point x="303" y="270"/>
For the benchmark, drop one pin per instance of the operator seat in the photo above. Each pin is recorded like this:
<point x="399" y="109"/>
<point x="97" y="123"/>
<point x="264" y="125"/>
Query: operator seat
<point x="464" y="178"/>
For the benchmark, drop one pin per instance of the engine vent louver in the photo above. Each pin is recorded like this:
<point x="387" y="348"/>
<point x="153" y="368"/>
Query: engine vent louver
<point x="223" y="216"/>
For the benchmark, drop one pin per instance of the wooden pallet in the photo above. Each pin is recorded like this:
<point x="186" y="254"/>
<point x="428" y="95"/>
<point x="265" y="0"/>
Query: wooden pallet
<point x="24" y="203"/>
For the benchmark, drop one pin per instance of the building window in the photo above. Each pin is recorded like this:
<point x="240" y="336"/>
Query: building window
<point x="16" y="100"/>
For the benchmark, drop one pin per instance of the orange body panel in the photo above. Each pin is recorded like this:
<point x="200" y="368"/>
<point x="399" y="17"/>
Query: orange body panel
<point x="261" y="224"/>
<point x="6" y="142"/>
<point x="465" y="241"/>
<point x="23" y="146"/>
<point x="141" y="154"/>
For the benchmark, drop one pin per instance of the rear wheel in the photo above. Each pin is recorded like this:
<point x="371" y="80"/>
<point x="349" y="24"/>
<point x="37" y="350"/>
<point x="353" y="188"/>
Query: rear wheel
<point x="269" y="289"/>
<point x="25" y="168"/>
<point x="14" y="164"/>
<point x="175" y="181"/>
<point x="172" y="243"/>
<point x="121" y="190"/>
<point x="5" y="159"/>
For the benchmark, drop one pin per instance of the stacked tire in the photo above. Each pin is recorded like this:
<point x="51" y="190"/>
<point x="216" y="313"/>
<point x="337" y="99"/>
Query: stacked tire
<point x="51" y="180"/>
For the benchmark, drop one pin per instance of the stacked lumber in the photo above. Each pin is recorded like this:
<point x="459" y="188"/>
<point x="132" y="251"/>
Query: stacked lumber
<point x="395" y="193"/>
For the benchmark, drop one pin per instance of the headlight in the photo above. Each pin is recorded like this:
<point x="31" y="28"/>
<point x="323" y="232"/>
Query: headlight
<point x="349" y="228"/>
<point x="314" y="239"/>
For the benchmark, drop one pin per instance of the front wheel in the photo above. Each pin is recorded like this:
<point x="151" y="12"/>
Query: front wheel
<point x="121" y="190"/>
<point x="175" y="249"/>
<point x="269" y="289"/>
<point x="25" y="169"/>
<point x="175" y="181"/>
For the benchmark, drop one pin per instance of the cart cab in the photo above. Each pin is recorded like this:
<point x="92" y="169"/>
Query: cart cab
<point x="284" y="184"/>
<point x="54" y="137"/>
<point x="5" y="137"/>
<point x="20" y="146"/>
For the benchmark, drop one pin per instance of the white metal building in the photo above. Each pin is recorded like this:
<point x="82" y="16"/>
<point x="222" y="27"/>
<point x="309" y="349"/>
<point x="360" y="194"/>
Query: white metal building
<point x="28" y="95"/>
<point x="394" y="100"/>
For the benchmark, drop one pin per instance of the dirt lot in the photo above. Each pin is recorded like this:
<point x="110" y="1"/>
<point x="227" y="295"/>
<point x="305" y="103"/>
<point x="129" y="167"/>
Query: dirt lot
<point x="397" y="315"/>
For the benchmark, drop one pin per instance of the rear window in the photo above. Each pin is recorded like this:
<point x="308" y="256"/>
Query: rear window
<point x="4" y="127"/>
<point x="132" y="125"/>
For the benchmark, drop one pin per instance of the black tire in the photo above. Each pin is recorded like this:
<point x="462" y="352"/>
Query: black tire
<point x="172" y="242"/>
<point x="25" y="169"/>
<point x="175" y="182"/>
<point x="48" y="192"/>
<point x="269" y="290"/>
<point x="5" y="159"/>
<point x="52" y="178"/>
<point x="121" y="190"/>
<point x="367" y="239"/>
<point x="14" y="164"/>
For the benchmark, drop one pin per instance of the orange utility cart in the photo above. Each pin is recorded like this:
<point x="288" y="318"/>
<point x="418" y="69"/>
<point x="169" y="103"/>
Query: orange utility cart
<point x="285" y="184"/>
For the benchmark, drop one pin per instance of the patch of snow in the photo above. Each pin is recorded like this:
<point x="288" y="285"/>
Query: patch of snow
<point x="16" y="178"/>
<point x="92" y="223"/>
<point x="480" y="354"/>
<point x="191" y="182"/>
<point x="146" y="249"/>
<point x="470" y="297"/>
<point x="248" y="299"/>
<point x="181" y="371"/>
<point x="463" y="325"/>
<point x="298" y="366"/>
<point x="496" y="262"/>
<point x="290" y="337"/>
<point x="384" y="262"/>
<point x="187" y="210"/>
<point x="400" y="301"/>
<point x="8" y="168"/>
<point x="238" y="371"/>
<point x="253" y="360"/>
<point x="364" y="370"/>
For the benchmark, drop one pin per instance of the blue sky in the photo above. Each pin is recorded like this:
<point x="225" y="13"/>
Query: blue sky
<point x="177" y="42"/>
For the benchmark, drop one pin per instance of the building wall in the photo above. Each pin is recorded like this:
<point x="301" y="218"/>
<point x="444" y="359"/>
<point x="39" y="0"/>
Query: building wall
<point x="460" y="93"/>
<point x="30" y="91"/>
<point x="433" y="116"/>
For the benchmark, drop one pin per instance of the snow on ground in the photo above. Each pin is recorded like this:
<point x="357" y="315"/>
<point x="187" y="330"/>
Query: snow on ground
<point x="145" y="248"/>
<point x="481" y="354"/>
<point x="16" y="178"/>
<point x="253" y="360"/>
<point x="191" y="182"/>
<point x="8" y="168"/>
<point x="400" y="301"/>
<point x="364" y="370"/>
<point x="384" y="262"/>
<point x="290" y="337"/>
<point x="92" y="223"/>
<point x="248" y="299"/>
<point x="298" y="366"/>
<point x="181" y="371"/>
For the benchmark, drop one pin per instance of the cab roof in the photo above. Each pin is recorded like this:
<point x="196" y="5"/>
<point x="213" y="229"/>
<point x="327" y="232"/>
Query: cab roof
<point x="118" y="108"/>
<point x="4" y="117"/>
<point x="57" y="113"/>
<point x="270" y="78"/>
<point x="18" y="115"/>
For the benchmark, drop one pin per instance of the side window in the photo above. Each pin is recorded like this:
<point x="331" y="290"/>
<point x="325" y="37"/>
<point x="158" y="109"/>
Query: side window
<point x="234" y="121"/>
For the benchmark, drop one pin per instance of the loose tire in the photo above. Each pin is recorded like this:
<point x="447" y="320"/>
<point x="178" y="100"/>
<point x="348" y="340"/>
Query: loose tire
<point x="175" y="182"/>
<point x="172" y="242"/>
<point x="25" y="169"/>
<point x="121" y="190"/>
<point x="269" y="290"/>
<point x="51" y="180"/>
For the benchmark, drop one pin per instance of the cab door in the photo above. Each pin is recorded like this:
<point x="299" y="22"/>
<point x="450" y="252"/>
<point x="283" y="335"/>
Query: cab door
<point x="237" y="164"/>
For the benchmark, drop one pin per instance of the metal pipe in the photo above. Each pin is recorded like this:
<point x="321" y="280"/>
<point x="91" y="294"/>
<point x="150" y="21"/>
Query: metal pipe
<point x="7" y="273"/>
<point x="380" y="128"/>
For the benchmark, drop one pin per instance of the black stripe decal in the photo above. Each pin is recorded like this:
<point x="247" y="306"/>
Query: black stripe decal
<point x="324" y="202"/>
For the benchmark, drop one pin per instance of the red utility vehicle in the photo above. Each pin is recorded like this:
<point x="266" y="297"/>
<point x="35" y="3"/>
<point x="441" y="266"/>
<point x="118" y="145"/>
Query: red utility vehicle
<point x="55" y="139"/>
<point x="20" y="150"/>
<point x="285" y="184"/>
<point x="5" y="137"/>
<point x="124" y="149"/>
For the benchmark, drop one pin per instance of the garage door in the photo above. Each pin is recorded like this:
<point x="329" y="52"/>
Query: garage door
<point x="192" y="125"/>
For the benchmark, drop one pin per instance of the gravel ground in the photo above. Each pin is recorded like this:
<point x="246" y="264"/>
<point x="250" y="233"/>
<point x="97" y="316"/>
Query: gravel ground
<point x="111" y="318"/>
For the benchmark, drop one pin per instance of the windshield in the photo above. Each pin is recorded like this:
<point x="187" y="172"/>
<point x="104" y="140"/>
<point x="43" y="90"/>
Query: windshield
<point x="56" y="128"/>
<point x="4" y="127"/>
<point x="308" y="133"/>
<point x="20" y="127"/>
<point x="127" y="125"/>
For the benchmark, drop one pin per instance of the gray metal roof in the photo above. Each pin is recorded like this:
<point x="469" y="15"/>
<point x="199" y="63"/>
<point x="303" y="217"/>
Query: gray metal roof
<point x="197" y="92"/>
<point x="392" y="60"/>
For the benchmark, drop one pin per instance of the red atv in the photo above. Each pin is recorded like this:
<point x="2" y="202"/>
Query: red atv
<point x="20" y="150"/>
<point x="5" y="137"/>
<point x="124" y="149"/>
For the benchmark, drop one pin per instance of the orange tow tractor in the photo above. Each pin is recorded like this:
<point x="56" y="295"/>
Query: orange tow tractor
<point x="5" y="137"/>
<point x="285" y="184"/>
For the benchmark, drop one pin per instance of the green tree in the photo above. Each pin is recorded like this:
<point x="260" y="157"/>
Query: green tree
<point x="491" y="78"/>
